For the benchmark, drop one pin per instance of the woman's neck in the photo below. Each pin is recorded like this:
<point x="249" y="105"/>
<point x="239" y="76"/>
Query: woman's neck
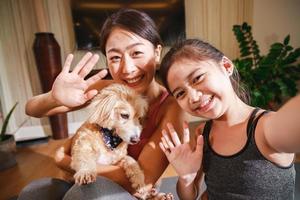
<point x="154" y="91"/>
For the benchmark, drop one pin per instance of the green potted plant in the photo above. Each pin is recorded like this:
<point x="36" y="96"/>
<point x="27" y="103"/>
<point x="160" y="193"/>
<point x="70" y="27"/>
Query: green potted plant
<point x="272" y="78"/>
<point x="7" y="143"/>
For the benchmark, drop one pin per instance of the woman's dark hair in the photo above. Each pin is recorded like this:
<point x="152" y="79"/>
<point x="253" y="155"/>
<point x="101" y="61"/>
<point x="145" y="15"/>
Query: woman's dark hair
<point x="132" y="20"/>
<point x="197" y="50"/>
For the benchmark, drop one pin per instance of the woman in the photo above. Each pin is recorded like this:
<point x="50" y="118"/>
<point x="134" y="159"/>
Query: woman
<point x="132" y="47"/>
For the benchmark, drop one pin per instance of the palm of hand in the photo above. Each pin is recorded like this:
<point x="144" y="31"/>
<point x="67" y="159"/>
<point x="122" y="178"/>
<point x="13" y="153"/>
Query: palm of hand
<point x="69" y="89"/>
<point x="185" y="159"/>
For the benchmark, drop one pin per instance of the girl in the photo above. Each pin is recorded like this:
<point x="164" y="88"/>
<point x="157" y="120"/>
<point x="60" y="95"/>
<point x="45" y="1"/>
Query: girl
<point x="132" y="46"/>
<point x="244" y="152"/>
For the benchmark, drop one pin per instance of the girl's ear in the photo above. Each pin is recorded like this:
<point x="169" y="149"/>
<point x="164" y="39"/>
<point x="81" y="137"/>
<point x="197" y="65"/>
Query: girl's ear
<point x="228" y="65"/>
<point x="157" y="53"/>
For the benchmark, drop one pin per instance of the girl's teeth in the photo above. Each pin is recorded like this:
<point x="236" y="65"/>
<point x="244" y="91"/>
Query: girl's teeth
<point x="205" y="102"/>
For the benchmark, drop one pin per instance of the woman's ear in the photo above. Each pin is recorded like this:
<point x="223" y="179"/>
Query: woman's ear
<point x="228" y="65"/>
<point x="157" y="53"/>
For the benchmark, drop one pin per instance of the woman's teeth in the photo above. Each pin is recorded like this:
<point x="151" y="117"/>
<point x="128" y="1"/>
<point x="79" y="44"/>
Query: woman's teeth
<point x="134" y="80"/>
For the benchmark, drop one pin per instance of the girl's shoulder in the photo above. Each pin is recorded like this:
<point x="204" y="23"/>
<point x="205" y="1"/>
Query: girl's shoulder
<point x="264" y="144"/>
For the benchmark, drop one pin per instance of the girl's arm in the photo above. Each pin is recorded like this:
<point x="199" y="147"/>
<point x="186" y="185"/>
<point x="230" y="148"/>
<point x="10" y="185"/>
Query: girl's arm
<point x="152" y="160"/>
<point x="189" y="191"/>
<point x="69" y="91"/>
<point x="185" y="159"/>
<point x="282" y="129"/>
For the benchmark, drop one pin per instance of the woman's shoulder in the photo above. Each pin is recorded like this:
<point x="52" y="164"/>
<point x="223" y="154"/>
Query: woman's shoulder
<point x="170" y="104"/>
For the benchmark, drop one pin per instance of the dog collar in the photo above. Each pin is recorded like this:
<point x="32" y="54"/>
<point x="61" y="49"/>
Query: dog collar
<point x="111" y="140"/>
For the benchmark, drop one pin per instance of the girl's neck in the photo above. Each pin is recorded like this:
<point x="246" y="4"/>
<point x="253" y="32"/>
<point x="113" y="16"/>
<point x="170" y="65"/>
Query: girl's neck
<point x="236" y="113"/>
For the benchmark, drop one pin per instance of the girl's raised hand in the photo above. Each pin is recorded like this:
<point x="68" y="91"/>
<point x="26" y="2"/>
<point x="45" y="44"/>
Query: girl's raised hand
<point x="70" y="88"/>
<point x="185" y="159"/>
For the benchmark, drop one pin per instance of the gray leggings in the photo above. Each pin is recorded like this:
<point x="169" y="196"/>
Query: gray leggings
<point x="55" y="189"/>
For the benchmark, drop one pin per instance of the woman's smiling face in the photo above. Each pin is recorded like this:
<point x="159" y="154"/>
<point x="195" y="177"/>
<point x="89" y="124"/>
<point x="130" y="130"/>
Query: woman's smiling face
<point x="131" y="59"/>
<point x="201" y="88"/>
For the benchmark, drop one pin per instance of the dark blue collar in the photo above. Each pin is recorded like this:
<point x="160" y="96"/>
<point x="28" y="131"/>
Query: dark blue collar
<point x="110" y="139"/>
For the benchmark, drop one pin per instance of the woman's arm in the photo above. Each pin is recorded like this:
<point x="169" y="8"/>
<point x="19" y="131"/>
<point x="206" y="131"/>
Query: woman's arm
<point x="69" y="91"/>
<point x="115" y="173"/>
<point x="282" y="129"/>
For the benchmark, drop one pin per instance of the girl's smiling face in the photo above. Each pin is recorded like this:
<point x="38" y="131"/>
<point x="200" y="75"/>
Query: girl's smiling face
<point x="131" y="59"/>
<point x="202" y="88"/>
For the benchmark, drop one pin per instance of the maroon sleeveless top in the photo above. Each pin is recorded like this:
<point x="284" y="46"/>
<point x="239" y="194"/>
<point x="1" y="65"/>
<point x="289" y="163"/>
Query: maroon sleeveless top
<point x="149" y="127"/>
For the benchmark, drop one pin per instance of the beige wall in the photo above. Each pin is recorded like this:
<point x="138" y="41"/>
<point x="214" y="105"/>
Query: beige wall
<point x="210" y="20"/>
<point x="273" y="20"/>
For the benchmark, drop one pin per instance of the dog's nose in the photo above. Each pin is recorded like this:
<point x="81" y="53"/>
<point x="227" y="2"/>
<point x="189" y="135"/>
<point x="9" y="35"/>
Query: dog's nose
<point x="134" y="139"/>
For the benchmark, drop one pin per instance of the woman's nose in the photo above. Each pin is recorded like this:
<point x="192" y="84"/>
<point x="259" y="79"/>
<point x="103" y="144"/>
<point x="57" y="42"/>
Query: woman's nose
<point x="194" y="95"/>
<point x="128" y="66"/>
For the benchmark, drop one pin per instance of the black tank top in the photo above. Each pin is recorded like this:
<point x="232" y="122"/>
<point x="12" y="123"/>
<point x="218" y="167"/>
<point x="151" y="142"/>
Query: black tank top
<point x="246" y="174"/>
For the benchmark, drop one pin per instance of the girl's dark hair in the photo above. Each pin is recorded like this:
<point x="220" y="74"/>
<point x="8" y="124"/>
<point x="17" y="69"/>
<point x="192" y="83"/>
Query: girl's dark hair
<point x="197" y="50"/>
<point x="132" y="20"/>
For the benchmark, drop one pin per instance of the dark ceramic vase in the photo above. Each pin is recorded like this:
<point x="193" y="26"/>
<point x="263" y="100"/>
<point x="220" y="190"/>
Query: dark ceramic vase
<point x="48" y="61"/>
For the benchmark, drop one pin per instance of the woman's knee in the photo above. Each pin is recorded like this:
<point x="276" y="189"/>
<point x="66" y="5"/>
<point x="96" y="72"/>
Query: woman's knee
<point x="103" y="189"/>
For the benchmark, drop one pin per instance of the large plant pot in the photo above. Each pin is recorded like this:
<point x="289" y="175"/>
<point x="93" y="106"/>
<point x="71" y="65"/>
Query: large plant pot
<point x="7" y="153"/>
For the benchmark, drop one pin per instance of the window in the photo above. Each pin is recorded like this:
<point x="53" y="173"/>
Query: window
<point x="89" y="15"/>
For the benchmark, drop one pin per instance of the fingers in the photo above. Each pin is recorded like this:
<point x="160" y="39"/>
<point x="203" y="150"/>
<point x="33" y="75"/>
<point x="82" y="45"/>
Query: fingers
<point x="186" y="133"/>
<point x="166" y="140"/>
<point x="85" y="64"/>
<point x="163" y="148"/>
<point x="199" y="145"/>
<point x="85" y="70"/>
<point x="90" y="94"/>
<point x="82" y="62"/>
<point x="100" y="75"/>
<point x="67" y="64"/>
<point x="173" y="134"/>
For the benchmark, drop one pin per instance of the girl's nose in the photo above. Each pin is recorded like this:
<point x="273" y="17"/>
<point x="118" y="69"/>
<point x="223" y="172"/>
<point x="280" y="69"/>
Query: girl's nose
<point x="128" y="66"/>
<point x="194" y="95"/>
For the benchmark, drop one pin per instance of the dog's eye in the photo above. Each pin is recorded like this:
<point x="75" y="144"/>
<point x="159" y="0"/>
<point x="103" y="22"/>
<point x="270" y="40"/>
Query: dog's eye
<point x="125" y="116"/>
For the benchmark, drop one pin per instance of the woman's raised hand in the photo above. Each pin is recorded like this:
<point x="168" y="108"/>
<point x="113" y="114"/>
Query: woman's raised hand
<point x="185" y="159"/>
<point x="69" y="88"/>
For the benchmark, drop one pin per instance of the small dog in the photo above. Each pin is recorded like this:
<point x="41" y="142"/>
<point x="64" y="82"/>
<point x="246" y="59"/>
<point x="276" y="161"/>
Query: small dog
<point x="104" y="137"/>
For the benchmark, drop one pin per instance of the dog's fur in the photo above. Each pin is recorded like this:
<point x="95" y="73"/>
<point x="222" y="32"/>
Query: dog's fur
<point x="119" y="109"/>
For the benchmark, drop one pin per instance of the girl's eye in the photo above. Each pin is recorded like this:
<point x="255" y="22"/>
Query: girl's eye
<point x="197" y="79"/>
<point x="179" y="94"/>
<point x="124" y="116"/>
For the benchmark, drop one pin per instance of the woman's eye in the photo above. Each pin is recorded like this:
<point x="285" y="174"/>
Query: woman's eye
<point x="124" y="116"/>
<point x="137" y="53"/>
<point x="115" y="59"/>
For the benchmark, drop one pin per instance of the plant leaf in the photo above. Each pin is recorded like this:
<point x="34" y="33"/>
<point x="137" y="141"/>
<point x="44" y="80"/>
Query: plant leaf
<point x="286" y="40"/>
<point x="6" y="120"/>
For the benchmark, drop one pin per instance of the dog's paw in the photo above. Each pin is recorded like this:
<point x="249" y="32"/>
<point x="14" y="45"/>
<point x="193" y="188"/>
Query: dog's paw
<point x="85" y="177"/>
<point x="163" y="196"/>
<point x="143" y="192"/>
<point x="142" y="195"/>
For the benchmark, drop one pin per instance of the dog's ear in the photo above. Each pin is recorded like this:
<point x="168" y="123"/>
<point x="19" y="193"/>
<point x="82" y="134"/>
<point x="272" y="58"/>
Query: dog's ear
<point x="103" y="107"/>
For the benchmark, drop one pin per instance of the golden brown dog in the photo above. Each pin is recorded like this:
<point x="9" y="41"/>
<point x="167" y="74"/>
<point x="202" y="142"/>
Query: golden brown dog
<point x="104" y="137"/>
